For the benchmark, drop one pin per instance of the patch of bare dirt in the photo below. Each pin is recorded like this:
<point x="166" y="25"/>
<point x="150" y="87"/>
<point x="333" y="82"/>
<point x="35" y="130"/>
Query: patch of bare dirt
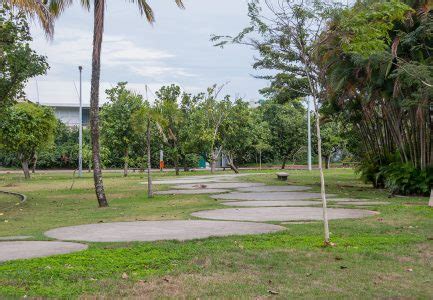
<point x="186" y="285"/>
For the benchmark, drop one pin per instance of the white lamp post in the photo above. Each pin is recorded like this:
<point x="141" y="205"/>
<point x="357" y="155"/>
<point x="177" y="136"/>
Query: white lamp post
<point x="80" y="130"/>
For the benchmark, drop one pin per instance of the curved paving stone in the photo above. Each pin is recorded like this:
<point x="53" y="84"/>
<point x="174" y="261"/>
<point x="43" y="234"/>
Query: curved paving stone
<point x="274" y="188"/>
<point x="15" y="237"/>
<point x="272" y="203"/>
<point x="32" y="249"/>
<point x="191" y="192"/>
<point x="361" y="203"/>
<point x="266" y="214"/>
<point x="272" y="196"/>
<point x="181" y="181"/>
<point x="348" y="200"/>
<point x="158" y="230"/>
<point x="218" y="185"/>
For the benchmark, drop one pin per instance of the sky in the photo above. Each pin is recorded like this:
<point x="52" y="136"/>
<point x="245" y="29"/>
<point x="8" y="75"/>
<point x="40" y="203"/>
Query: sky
<point x="174" y="50"/>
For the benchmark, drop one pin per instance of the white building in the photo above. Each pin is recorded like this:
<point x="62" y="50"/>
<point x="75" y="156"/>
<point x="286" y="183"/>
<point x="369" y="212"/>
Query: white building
<point x="69" y="113"/>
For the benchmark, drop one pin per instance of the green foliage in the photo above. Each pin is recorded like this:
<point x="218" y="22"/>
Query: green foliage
<point x="18" y="62"/>
<point x="397" y="177"/>
<point x="365" y="28"/>
<point x="26" y="129"/>
<point x="405" y="179"/>
<point x="287" y="126"/>
<point x="116" y="120"/>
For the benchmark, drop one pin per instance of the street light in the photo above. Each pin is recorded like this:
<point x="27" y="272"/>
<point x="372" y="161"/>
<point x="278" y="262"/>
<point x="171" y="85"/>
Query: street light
<point x="80" y="130"/>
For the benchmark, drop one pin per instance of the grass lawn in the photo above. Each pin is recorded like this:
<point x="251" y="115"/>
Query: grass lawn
<point x="386" y="256"/>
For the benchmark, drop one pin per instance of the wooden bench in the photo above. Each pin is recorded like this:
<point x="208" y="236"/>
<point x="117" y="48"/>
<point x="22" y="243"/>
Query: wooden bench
<point x="282" y="176"/>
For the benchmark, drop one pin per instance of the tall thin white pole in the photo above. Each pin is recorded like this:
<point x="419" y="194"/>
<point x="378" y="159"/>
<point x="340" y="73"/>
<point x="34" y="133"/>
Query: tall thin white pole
<point x="309" y="133"/>
<point x="80" y="130"/>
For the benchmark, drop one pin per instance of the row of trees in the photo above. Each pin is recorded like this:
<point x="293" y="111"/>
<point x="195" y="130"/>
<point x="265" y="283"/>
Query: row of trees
<point x="184" y="126"/>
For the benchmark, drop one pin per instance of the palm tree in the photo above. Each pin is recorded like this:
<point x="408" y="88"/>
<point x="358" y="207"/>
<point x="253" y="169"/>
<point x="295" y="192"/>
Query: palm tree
<point x="57" y="6"/>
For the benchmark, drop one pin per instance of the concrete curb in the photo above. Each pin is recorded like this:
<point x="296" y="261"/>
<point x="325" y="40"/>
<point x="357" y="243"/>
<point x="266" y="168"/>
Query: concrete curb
<point x="23" y="198"/>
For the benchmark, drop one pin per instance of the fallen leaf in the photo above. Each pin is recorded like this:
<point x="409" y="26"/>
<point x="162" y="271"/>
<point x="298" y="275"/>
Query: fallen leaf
<point x="125" y="276"/>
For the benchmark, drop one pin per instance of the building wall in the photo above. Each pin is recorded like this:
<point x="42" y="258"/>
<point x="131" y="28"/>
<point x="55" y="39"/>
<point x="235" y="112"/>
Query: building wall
<point x="70" y="115"/>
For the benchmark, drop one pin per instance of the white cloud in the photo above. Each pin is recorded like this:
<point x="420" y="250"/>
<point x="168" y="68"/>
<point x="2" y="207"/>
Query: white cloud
<point x="73" y="47"/>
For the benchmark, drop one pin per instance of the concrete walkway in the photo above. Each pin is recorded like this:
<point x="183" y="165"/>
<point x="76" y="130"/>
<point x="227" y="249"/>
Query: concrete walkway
<point x="259" y="203"/>
<point x="269" y="214"/>
<point x="32" y="249"/>
<point x="266" y="196"/>
<point x="158" y="230"/>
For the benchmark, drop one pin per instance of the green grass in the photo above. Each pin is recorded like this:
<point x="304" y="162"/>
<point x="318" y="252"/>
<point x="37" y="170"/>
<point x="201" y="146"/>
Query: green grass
<point x="386" y="256"/>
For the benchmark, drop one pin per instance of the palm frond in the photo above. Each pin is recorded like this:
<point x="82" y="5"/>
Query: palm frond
<point x="35" y="9"/>
<point x="180" y="4"/>
<point x="145" y="9"/>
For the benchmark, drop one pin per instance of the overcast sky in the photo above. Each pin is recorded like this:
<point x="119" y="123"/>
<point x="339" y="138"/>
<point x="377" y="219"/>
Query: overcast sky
<point x="176" y="49"/>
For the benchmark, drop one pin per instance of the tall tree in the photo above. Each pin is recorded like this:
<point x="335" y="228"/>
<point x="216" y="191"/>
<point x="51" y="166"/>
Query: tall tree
<point x="58" y="6"/>
<point x="285" y="35"/>
<point x="207" y="123"/>
<point x="261" y="140"/>
<point x="18" y="62"/>
<point x="167" y="104"/>
<point x="377" y="67"/>
<point x="142" y="121"/>
<point x="116" y="120"/>
<point x="237" y="132"/>
<point x="26" y="129"/>
<point x="287" y="126"/>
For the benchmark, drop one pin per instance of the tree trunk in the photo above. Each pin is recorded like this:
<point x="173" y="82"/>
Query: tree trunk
<point x="98" y="29"/>
<point x="284" y="163"/>
<point x="231" y="164"/>
<point x="322" y="176"/>
<point x="25" y="165"/>
<point x="430" y="203"/>
<point x="327" y="161"/>
<point x="213" y="162"/>
<point x="176" y="158"/>
<point x="233" y="167"/>
<point x="260" y="160"/>
<point x="149" y="166"/>
<point x="35" y="161"/>
<point x="125" y="164"/>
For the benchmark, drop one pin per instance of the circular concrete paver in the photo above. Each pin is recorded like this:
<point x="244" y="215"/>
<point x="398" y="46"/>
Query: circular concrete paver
<point x="33" y="249"/>
<point x="218" y="185"/>
<point x="348" y="200"/>
<point x="274" y="188"/>
<point x="361" y="203"/>
<point x="192" y="192"/>
<point x="158" y="230"/>
<point x="15" y="237"/>
<point x="266" y="214"/>
<point x="181" y="181"/>
<point x="272" y="203"/>
<point x="272" y="196"/>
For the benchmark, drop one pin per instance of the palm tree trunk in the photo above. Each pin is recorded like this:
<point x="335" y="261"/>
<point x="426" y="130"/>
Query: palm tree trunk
<point x="98" y="29"/>
<point x="149" y="167"/>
